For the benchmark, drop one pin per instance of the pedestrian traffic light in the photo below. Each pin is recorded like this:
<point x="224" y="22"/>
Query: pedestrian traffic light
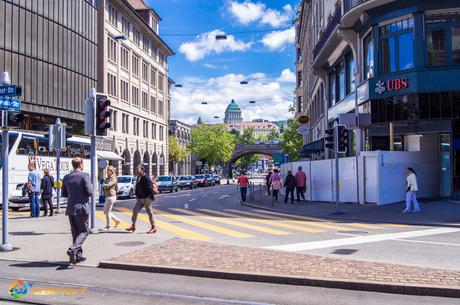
<point x="101" y="114"/>
<point x="15" y="118"/>
<point x="329" y="139"/>
<point x="342" y="144"/>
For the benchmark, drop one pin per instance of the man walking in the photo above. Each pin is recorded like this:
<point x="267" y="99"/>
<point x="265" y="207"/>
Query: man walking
<point x="267" y="181"/>
<point x="243" y="183"/>
<point x="34" y="180"/>
<point x="300" y="183"/>
<point x="144" y="199"/>
<point x="78" y="189"/>
<point x="289" y="184"/>
<point x="46" y="189"/>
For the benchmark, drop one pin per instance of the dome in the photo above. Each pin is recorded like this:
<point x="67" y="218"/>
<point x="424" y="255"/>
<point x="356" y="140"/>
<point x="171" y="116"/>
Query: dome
<point x="233" y="106"/>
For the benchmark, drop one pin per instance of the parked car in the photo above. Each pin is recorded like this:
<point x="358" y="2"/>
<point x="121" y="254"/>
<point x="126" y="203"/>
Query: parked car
<point x="126" y="186"/>
<point x="211" y="180"/>
<point x="201" y="181"/>
<point x="216" y="179"/>
<point x="17" y="201"/>
<point x="187" y="182"/>
<point x="167" y="183"/>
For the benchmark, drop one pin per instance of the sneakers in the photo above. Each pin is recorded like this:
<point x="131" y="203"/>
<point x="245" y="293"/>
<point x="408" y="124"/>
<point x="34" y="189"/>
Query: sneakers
<point x="117" y="222"/>
<point x="81" y="259"/>
<point x="132" y="228"/>
<point x="152" y="230"/>
<point x="406" y="211"/>
<point x="72" y="258"/>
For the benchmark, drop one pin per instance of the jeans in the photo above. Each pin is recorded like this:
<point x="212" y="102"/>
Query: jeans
<point x="35" y="205"/>
<point x="47" y="202"/>
<point x="300" y="193"/>
<point x="244" y="191"/>
<point x="411" y="197"/>
<point x="291" y="192"/>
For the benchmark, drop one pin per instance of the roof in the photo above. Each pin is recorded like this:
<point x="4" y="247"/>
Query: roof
<point x="141" y="6"/>
<point x="233" y="106"/>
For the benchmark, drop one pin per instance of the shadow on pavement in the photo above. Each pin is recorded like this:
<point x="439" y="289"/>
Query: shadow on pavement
<point x="62" y="265"/>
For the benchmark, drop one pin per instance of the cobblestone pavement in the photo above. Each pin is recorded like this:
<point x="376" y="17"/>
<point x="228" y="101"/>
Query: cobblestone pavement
<point x="218" y="257"/>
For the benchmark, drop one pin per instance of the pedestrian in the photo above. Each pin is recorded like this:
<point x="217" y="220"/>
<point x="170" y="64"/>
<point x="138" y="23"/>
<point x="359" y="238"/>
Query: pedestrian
<point x="267" y="181"/>
<point x="275" y="183"/>
<point x="243" y="183"/>
<point x="144" y="198"/>
<point x="34" y="179"/>
<point x="411" y="190"/>
<point x="78" y="189"/>
<point x="300" y="183"/>
<point x="110" y="187"/>
<point x="289" y="184"/>
<point x="27" y="190"/>
<point x="46" y="188"/>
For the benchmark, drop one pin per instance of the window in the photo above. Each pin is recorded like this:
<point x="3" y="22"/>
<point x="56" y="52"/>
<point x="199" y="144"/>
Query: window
<point x="124" y="123"/>
<point x="161" y="80"/>
<point x="145" y="72"/>
<point x="161" y="135"/>
<point x="443" y="38"/>
<point x="160" y="107"/>
<point x="299" y="79"/>
<point x="153" y="78"/>
<point x="332" y="88"/>
<point x="135" y="126"/>
<point x="125" y="26"/>
<point x="136" y="36"/>
<point x="145" y="100"/>
<point x="455" y="45"/>
<point x="112" y="84"/>
<point x="145" y="44"/>
<point x="135" y="96"/>
<point x="146" y="129"/>
<point x="153" y="104"/>
<point x="351" y="66"/>
<point x="368" y="56"/>
<point x="135" y="65"/>
<point x="113" y="15"/>
<point x="162" y="59"/>
<point x="154" y="52"/>
<point x="154" y="131"/>
<point x="341" y="82"/>
<point x="124" y="90"/>
<point x="125" y="58"/>
<point x="112" y="52"/>
<point x="397" y="46"/>
<point x="113" y="119"/>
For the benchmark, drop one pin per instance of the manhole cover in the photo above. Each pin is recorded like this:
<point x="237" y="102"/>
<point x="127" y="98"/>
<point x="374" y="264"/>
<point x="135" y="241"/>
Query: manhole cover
<point x="354" y="232"/>
<point x="130" y="243"/>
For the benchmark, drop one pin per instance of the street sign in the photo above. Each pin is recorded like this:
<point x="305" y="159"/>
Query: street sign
<point x="8" y="103"/>
<point x="278" y="158"/>
<point x="303" y="130"/>
<point x="104" y="144"/>
<point x="199" y="163"/>
<point x="57" y="136"/>
<point x="10" y="90"/>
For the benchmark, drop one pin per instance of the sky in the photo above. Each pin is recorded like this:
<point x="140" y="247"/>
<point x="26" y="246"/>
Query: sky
<point x="211" y="70"/>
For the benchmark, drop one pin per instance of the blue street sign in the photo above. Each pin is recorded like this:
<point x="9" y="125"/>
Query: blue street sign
<point x="10" y="90"/>
<point x="8" y="103"/>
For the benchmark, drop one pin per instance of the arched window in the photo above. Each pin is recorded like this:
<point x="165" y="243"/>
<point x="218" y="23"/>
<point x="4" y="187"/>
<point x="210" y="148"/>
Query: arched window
<point x="146" y="163"/>
<point x="154" y="164"/>
<point x="126" y="163"/>
<point x="136" y="161"/>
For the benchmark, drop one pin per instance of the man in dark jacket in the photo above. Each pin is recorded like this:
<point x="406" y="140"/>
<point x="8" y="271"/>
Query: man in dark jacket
<point x="78" y="189"/>
<point x="144" y="198"/>
<point x="267" y="181"/>
<point x="289" y="184"/>
<point x="46" y="188"/>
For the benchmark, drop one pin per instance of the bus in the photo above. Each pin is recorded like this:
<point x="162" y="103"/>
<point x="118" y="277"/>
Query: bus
<point x="26" y="147"/>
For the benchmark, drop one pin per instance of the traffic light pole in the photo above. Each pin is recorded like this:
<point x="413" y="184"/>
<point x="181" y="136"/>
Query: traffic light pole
<point x="58" y="167"/>
<point x="92" y="96"/>
<point x="6" y="246"/>
<point x="337" y="182"/>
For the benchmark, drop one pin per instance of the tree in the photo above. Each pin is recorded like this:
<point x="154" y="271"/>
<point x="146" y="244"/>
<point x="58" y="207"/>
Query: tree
<point x="212" y="143"/>
<point x="274" y="136"/>
<point x="247" y="137"/>
<point x="200" y="121"/>
<point x="177" y="153"/>
<point x="292" y="141"/>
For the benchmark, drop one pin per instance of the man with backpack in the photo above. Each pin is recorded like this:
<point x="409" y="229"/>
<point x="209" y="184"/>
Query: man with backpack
<point x="144" y="199"/>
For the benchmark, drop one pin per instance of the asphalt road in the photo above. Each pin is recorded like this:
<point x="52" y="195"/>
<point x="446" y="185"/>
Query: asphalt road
<point x="93" y="286"/>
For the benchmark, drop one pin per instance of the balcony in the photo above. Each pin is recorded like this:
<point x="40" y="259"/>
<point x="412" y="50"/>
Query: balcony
<point x="328" y="31"/>
<point x="354" y="9"/>
<point x="350" y="4"/>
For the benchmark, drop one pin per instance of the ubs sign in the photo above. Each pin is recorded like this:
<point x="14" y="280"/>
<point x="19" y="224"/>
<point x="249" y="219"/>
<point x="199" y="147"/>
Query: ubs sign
<point x="391" y="85"/>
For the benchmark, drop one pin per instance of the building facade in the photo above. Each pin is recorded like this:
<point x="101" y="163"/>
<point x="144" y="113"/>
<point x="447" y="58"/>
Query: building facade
<point x="233" y="114"/>
<point x="396" y="66"/>
<point x="50" y="49"/>
<point x="261" y="127"/>
<point x="182" y="132"/>
<point x="134" y="74"/>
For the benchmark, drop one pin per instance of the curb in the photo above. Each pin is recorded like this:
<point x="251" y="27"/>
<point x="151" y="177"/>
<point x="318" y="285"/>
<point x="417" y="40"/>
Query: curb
<point x="255" y="206"/>
<point x="290" y="280"/>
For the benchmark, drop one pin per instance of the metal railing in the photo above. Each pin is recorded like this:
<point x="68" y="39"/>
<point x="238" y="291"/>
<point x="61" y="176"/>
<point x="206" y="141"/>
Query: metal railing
<point x="332" y="25"/>
<point x="350" y="4"/>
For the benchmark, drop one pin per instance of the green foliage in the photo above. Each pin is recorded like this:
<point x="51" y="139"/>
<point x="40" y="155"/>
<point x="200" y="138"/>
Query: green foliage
<point x="212" y="143"/>
<point x="247" y="137"/>
<point x="274" y="136"/>
<point x="292" y="141"/>
<point x="177" y="153"/>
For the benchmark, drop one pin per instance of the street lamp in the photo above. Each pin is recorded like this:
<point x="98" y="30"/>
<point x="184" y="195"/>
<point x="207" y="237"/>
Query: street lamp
<point x="204" y="103"/>
<point x="221" y="37"/>
<point x="178" y="86"/>
<point x="216" y="116"/>
<point x="5" y="78"/>
<point x="120" y="37"/>
<point x="244" y="82"/>
<point x="252" y="102"/>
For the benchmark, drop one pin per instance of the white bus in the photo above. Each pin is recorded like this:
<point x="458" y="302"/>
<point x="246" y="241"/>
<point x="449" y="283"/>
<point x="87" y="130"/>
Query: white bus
<point x="32" y="147"/>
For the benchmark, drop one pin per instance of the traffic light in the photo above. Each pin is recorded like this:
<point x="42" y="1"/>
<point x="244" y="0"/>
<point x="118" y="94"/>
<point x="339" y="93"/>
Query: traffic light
<point x="101" y="114"/>
<point x="329" y="139"/>
<point x="15" y="118"/>
<point x="342" y="144"/>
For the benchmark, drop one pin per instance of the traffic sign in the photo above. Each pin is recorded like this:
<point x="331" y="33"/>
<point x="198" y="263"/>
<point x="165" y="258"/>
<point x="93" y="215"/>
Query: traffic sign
<point x="10" y="90"/>
<point x="8" y="103"/>
<point x="278" y="158"/>
<point x="303" y="130"/>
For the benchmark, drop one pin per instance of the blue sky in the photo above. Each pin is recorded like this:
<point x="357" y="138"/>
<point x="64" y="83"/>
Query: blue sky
<point x="211" y="70"/>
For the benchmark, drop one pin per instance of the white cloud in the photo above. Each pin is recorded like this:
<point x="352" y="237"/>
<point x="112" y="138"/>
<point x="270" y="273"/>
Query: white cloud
<point x="273" y="97"/>
<point x="248" y="12"/>
<point x="287" y="76"/>
<point x="206" y="44"/>
<point x="278" y="40"/>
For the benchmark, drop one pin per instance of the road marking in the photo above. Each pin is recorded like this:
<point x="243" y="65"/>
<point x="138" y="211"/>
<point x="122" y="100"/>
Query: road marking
<point x="193" y="199"/>
<point x="234" y="223"/>
<point x="265" y="221"/>
<point x="361" y="239"/>
<point x="122" y="225"/>
<point x="222" y="197"/>
<point x="168" y="227"/>
<point x="203" y="225"/>
<point x="428" y="242"/>
<point x="309" y="223"/>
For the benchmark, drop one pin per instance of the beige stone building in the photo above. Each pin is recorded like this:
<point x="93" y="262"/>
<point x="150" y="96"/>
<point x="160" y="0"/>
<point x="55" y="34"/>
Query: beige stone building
<point x="134" y="73"/>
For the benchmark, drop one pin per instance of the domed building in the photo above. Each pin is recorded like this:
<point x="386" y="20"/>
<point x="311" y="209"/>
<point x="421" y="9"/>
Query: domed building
<point x="233" y="114"/>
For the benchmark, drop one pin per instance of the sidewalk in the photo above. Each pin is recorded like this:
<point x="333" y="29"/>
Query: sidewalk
<point x="434" y="213"/>
<point x="205" y="259"/>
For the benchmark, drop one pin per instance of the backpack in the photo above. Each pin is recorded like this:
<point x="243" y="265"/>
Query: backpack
<point x="154" y="186"/>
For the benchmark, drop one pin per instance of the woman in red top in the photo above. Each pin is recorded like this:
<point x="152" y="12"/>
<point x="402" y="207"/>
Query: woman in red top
<point x="243" y="183"/>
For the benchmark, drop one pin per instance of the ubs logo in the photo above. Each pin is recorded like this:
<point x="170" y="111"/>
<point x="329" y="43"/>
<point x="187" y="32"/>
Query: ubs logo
<point x="391" y="85"/>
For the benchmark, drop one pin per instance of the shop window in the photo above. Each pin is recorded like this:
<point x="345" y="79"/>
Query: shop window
<point x="456" y="45"/>
<point x="351" y="66"/>
<point x="368" y="56"/>
<point x="341" y="79"/>
<point x="437" y="48"/>
<point x="332" y="92"/>
<point x="397" y="46"/>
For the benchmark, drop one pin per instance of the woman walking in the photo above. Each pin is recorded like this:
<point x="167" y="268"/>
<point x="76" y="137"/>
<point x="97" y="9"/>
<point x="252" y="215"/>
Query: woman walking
<point x="275" y="183"/>
<point x="411" y="189"/>
<point x="110" y="188"/>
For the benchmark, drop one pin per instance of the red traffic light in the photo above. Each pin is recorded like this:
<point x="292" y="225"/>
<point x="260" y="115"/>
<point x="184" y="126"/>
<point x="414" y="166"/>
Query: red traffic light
<point x="102" y="113"/>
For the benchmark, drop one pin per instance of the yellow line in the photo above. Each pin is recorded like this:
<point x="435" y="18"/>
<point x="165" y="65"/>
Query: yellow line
<point x="265" y="221"/>
<point x="122" y="225"/>
<point x="234" y="223"/>
<point x="354" y="224"/>
<point x="168" y="227"/>
<point x="203" y="225"/>
<point x="309" y="223"/>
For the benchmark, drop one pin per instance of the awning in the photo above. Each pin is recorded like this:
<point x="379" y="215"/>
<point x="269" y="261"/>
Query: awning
<point x="108" y="155"/>
<point x="313" y="147"/>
